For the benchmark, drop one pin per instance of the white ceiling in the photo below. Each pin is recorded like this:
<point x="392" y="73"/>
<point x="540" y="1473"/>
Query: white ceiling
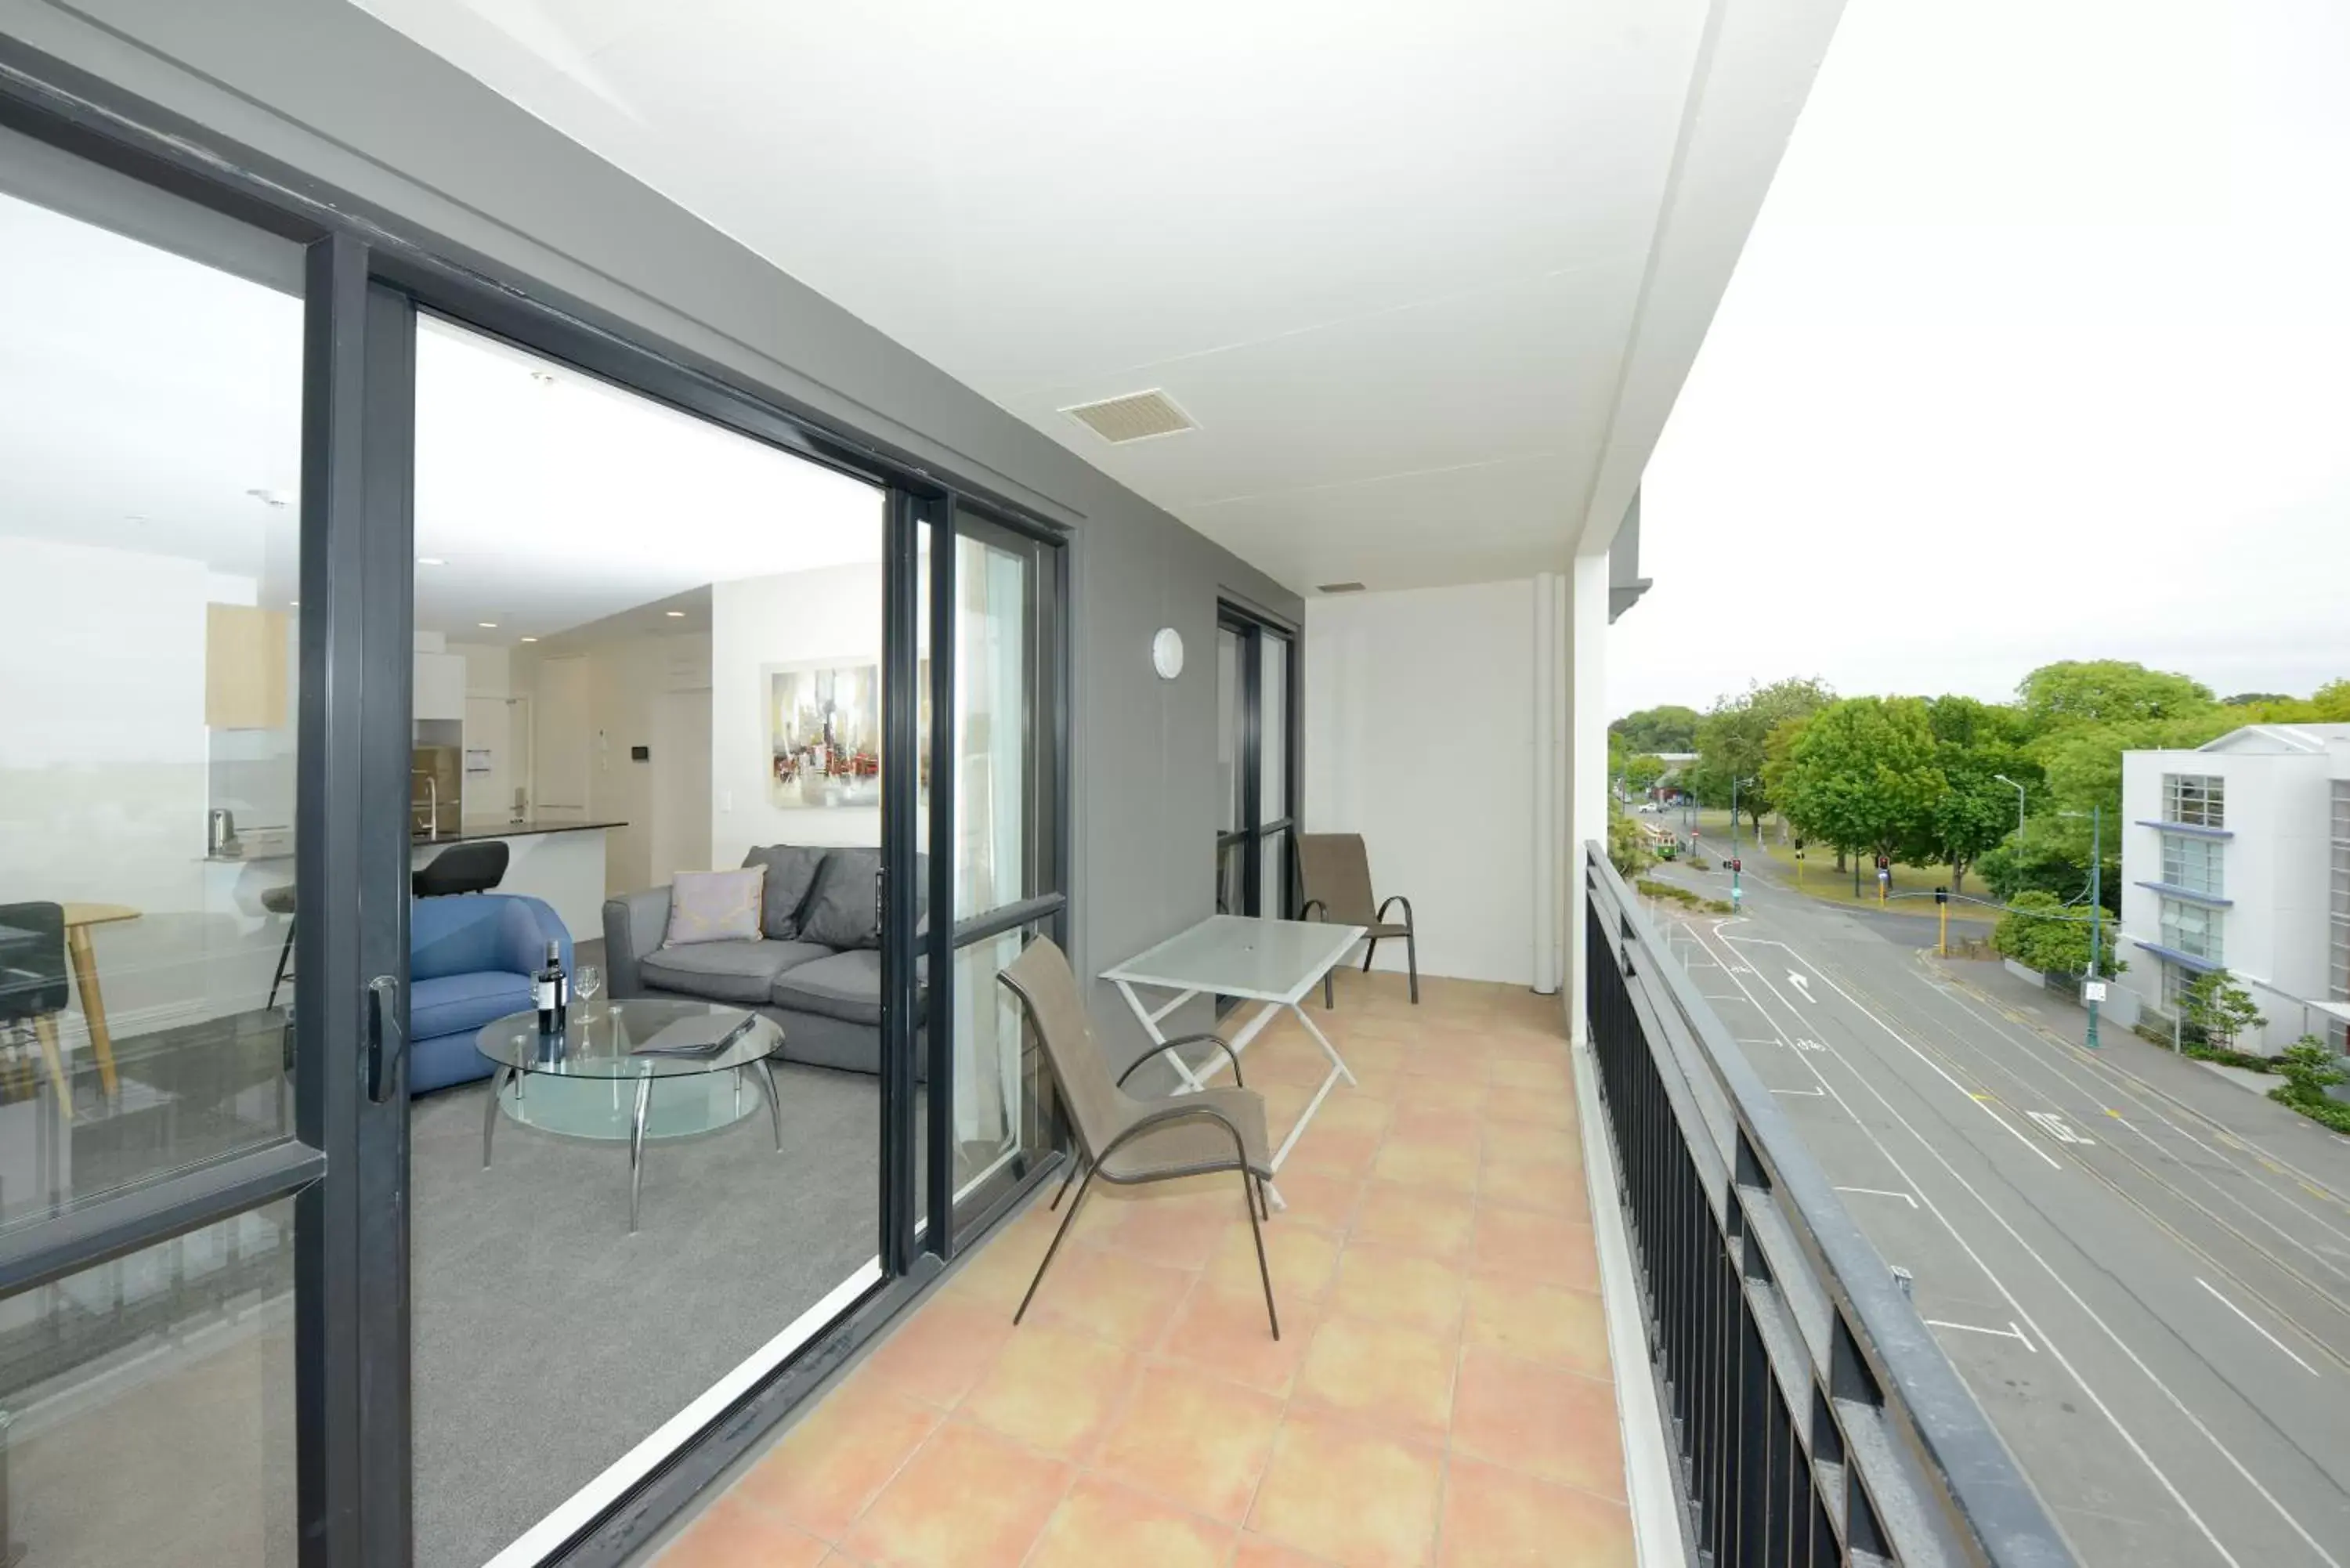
<point x="144" y="398"/>
<point x="1396" y="259"/>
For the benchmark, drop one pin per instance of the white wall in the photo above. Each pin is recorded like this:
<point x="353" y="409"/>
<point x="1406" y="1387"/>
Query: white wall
<point x="1419" y="735"/>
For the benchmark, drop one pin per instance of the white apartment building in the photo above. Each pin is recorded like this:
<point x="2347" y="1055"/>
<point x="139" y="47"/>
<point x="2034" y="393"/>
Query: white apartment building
<point x="2236" y="855"/>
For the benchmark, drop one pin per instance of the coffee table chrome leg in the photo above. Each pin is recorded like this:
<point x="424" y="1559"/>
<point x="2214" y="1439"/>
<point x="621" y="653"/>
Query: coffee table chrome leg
<point x="636" y="1148"/>
<point x="774" y="1101"/>
<point x="490" y="1114"/>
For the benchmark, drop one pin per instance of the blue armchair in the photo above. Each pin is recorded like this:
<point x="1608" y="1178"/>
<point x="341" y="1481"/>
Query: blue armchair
<point x="470" y="958"/>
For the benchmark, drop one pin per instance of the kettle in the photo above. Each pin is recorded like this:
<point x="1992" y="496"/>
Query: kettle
<point x="221" y="834"/>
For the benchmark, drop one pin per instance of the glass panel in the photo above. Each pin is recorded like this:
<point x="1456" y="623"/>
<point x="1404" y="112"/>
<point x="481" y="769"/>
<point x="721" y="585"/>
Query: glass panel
<point x="1273" y="730"/>
<point x="1001" y="1109"/>
<point x="150" y="464"/>
<point x="2197" y="799"/>
<point x="1232" y="872"/>
<point x="994" y="622"/>
<point x="1273" y="877"/>
<point x="2191" y="928"/>
<point x="646" y="649"/>
<point x="149" y="1405"/>
<point x="1230" y="718"/>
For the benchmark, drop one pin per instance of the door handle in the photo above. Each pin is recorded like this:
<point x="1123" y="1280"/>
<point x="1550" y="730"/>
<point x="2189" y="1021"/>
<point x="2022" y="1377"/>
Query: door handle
<point x="385" y="1038"/>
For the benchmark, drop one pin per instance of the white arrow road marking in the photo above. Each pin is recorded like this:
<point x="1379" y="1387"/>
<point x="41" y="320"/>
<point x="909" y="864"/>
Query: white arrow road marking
<point x="1800" y="983"/>
<point x="2265" y="1334"/>
<point x="2057" y="1127"/>
<point x="1881" y="1192"/>
<point x="1809" y="1045"/>
<point x="1799" y="1090"/>
<point x="2010" y="1332"/>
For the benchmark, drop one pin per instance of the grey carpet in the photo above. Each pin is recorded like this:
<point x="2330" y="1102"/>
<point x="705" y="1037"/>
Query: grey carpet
<point x="549" y="1340"/>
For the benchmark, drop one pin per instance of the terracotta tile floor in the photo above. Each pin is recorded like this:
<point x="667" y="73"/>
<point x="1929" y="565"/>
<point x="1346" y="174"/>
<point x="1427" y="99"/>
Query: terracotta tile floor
<point x="1439" y="1395"/>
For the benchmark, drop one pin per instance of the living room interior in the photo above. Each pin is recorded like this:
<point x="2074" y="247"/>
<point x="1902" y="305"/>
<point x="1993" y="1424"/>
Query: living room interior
<point x="643" y="647"/>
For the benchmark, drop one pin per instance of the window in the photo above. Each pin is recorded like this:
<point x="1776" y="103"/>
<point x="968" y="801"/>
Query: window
<point x="2196" y="800"/>
<point x="2192" y="863"/>
<point x="1256" y="776"/>
<point x="2339" y="930"/>
<point x="2191" y="928"/>
<point x="2177" y="980"/>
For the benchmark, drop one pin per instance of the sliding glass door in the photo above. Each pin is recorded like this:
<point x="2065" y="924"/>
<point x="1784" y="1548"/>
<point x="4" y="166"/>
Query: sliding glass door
<point x="1257" y="786"/>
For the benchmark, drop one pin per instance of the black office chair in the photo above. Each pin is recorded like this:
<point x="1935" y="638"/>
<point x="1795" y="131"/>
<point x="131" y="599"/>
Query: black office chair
<point x="462" y="869"/>
<point x="33" y="984"/>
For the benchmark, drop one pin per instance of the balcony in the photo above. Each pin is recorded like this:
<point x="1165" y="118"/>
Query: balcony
<point x="1468" y="1373"/>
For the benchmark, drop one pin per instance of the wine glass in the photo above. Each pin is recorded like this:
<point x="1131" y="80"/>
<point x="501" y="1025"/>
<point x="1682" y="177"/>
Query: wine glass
<point x="586" y="981"/>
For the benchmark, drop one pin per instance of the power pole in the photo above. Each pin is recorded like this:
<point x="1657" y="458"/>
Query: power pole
<point x="1733" y="818"/>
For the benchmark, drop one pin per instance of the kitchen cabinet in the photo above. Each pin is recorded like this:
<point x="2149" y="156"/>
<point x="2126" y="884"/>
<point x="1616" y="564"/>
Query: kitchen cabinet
<point x="246" y="657"/>
<point x="440" y="686"/>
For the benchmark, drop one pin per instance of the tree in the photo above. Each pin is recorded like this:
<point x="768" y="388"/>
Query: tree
<point x="2041" y="931"/>
<point x="2309" y="1070"/>
<point x="1974" y="744"/>
<point x="2220" y="1009"/>
<point x="1627" y="847"/>
<point x="1667" y="728"/>
<point x="2330" y="704"/>
<point x="2108" y="691"/>
<point x="1733" y="742"/>
<point x="1641" y="772"/>
<point x="2248" y="698"/>
<point x="1863" y="776"/>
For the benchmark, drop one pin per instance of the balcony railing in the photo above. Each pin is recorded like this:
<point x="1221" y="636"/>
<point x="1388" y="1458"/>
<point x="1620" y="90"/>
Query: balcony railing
<point x="1813" y="1418"/>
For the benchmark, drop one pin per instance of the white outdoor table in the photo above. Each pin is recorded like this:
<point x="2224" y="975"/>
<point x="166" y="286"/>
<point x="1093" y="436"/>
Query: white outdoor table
<point x="1276" y="962"/>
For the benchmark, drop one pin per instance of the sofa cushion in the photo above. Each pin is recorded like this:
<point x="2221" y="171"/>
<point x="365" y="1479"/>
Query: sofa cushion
<point x="846" y="986"/>
<point x="726" y="971"/>
<point x="842" y="910"/>
<point x="461" y="1003"/>
<point x="791" y="872"/>
<point x="715" y="906"/>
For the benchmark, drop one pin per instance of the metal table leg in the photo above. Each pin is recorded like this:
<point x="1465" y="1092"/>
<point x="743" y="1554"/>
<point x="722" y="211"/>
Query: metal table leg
<point x="774" y="1101"/>
<point x="490" y="1115"/>
<point x="636" y="1148"/>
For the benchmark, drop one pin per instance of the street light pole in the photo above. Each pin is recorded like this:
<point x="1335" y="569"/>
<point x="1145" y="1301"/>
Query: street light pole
<point x="1733" y="818"/>
<point x="2019" y="808"/>
<point x="2096" y="913"/>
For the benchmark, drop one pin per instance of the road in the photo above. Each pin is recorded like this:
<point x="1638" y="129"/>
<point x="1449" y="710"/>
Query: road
<point x="2148" y="1292"/>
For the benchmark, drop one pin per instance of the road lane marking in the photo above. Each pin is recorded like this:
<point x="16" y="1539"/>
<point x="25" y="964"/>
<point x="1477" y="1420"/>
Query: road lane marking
<point x="1798" y="1091"/>
<point x="1797" y="980"/>
<point x="2088" y="1391"/>
<point x="2057" y="1127"/>
<point x="1882" y="1192"/>
<point x="2010" y="1332"/>
<point x="2265" y="1334"/>
<point x="2066" y="1285"/>
<point x="1984" y="1100"/>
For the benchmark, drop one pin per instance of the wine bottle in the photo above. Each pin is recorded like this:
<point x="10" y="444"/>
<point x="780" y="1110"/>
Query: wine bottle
<point x="551" y="991"/>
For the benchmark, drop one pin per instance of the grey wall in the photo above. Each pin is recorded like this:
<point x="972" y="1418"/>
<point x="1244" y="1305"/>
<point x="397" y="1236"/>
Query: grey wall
<point x="325" y="88"/>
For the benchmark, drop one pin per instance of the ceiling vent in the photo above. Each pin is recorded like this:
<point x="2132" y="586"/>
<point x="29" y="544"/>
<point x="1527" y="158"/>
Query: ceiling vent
<point x="1339" y="588"/>
<point x="1136" y="416"/>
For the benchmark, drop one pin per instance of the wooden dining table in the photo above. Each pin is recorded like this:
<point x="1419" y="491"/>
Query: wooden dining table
<point x="79" y="918"/>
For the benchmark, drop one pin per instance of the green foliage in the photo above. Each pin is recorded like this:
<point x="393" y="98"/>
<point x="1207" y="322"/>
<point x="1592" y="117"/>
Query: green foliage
<point x="2247" y="699"/>
<point x="1667" y="728"/>
<point x="1650" y="886"/>
<point x="1641" y="772"/>
<point x="2106" y="690"/>
<point x="1974" y="744"/>
<point x="1733" y="742"/>
<point x="2040" y="932"/>
<point x="2309" y="1070"/>
<point x="1627" y="847"/>
<point x="2330" y="704"/>
<point x="1862" y="776"/>
<point x="2220" y="1008"/>
<point x="2226" y="1058"/>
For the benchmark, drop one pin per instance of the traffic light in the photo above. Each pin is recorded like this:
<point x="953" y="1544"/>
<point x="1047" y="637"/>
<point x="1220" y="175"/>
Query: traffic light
<point x="1941" y="895"/>
<point x="1738" y="865"/>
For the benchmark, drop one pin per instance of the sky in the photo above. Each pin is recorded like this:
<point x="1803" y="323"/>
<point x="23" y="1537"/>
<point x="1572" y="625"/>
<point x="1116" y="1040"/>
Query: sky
<point x="2040" y="349"/>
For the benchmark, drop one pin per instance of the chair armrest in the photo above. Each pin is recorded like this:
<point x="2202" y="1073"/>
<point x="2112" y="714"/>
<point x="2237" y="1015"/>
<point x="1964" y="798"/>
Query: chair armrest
<point x="1306" y="913"/>
<point x="1218" y="1041"/>
<point x="1399" y="899"/>
<point x="1187" y="1108"/>
<point x="634" y="925"/>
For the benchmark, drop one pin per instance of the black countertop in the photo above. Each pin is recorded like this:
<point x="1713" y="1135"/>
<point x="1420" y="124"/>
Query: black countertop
<point x="472" y="832"/>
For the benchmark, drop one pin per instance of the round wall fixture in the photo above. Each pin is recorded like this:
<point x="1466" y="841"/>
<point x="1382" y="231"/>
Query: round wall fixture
<point x="1167" y="653"/>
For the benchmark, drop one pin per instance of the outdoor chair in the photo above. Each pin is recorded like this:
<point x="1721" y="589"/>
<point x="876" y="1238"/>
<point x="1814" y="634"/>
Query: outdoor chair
<point x="1335" y="870"/>
<point x="1126" y="1141"/>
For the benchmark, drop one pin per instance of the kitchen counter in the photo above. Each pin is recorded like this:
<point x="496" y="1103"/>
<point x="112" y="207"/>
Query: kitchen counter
<point x="277" y="844"/>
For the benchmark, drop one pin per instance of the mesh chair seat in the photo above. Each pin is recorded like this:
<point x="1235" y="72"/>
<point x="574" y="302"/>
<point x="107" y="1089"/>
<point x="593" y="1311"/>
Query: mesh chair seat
<point x="1196" y="1145"/>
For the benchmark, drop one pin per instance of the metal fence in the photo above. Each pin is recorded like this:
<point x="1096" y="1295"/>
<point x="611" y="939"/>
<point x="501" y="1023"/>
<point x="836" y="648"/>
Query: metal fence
<point x="1813" y="1419"/>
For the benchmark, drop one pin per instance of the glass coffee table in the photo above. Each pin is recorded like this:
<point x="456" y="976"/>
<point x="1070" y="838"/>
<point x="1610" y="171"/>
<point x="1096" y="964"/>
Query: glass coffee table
<point x="635" y="1069"/>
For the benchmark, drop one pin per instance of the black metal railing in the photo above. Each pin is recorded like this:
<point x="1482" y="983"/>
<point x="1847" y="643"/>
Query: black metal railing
<point x="1813" y="1420"/>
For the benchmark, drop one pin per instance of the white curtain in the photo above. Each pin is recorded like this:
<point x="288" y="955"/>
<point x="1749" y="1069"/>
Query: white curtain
<point x="990" y="796"/>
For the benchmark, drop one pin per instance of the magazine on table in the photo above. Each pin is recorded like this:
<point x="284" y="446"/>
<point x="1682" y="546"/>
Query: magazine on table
<point x="697" y="1038"/>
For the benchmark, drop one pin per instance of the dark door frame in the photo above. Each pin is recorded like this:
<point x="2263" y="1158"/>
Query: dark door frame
<point x="368" y="272"/>
<point x="1256" y="826"/>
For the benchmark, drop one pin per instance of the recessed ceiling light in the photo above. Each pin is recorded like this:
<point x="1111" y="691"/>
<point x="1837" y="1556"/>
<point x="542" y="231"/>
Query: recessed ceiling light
<point x="431" y="561"/>
<point x="530" y="639"/>
<point x="488" y="624"/>
<point x="674" y="615"/>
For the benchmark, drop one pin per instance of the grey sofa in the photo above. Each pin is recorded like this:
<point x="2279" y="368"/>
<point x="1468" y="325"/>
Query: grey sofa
<point x="815" y="968"/>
